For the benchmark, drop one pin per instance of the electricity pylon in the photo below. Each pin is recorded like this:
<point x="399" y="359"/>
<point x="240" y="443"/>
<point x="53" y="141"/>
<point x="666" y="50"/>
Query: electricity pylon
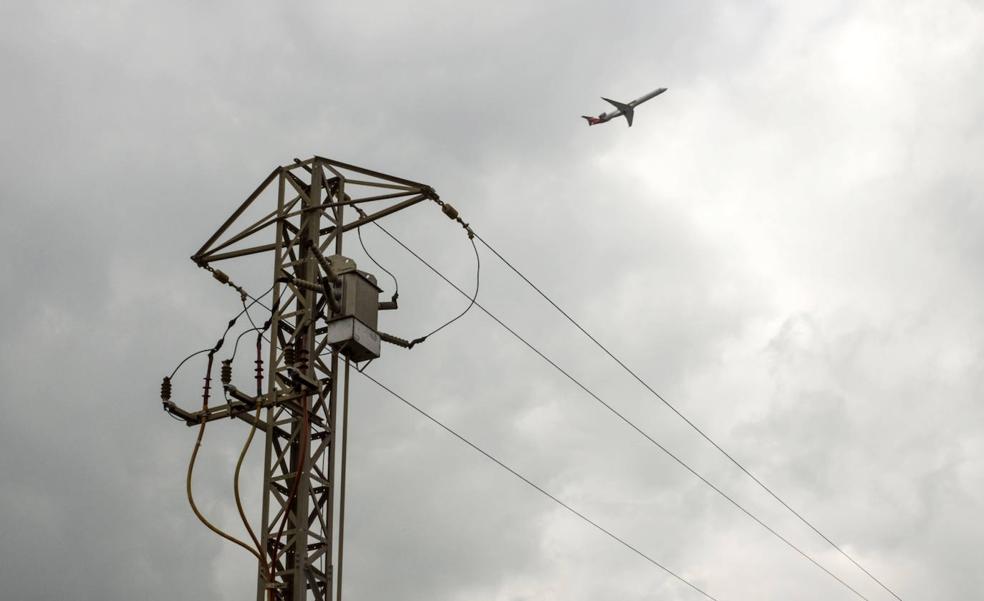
<point x="323" y="313"/>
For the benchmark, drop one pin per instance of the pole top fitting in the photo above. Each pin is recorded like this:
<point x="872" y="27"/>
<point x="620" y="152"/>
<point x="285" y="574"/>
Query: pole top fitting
<point x="431" y="193"/>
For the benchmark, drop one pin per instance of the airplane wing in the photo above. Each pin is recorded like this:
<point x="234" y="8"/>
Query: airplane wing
<point x="627" y="110"/>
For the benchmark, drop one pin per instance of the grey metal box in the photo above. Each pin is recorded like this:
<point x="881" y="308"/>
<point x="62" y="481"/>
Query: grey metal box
<point x="360" y="297"/>
<point x="353" y="339"/>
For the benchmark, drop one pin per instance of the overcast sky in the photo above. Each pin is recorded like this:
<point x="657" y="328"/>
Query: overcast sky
<point x="787" y="245"/>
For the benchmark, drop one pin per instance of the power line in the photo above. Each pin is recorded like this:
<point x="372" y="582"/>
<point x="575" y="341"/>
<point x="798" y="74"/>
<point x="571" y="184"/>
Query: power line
<point x="683" y="417"/>
<point x="396" y="282"/>
<point x="256" y="328"/>
<point x="628" y="422"/>
<point x="232" y="322"/>
<point x="489" y="456"/>
<point x="235" y="347"/>
<point x="472" y="300"/>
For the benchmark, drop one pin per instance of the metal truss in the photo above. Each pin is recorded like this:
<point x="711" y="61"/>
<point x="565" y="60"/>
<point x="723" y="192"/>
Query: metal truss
<point x="298" y="413"/>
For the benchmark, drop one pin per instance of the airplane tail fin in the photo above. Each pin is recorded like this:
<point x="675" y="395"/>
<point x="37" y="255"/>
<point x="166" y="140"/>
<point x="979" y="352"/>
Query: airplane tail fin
<point x="626" y="110"/>
<point x="591" y="120"/>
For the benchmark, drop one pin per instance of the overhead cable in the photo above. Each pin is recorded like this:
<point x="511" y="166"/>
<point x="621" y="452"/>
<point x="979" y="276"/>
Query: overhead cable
<point x="232" y="322"/>
<point x="256" y="328"/>
<point x="690" y="423"/>
<point x="541" y="490"/>
<point x="451" y="213"/>
<point x="628" y="422"/>
<point x="396" y="282"/>
<point x="472" y="300"/>
<point x="235" y="347"/>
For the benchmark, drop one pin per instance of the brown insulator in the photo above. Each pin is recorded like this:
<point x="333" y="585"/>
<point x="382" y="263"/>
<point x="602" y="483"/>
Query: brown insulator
<point x="220" y="276"/>
<point x="166" y="389"/>
<point x="226" y="373"/>
<point x="450" y="211"/>
<point x="259" y="375"/>
<point x="394" y="340"/>
<point x="290" y="357"/>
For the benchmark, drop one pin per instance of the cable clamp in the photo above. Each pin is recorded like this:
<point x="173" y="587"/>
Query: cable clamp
<point x="432" y="194"/>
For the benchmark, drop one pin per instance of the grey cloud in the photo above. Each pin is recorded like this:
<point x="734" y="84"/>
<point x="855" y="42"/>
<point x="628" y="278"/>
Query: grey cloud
<point x="785" y="245"/>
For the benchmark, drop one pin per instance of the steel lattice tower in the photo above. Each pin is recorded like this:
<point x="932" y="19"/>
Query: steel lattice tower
<point x="314" y="286"/>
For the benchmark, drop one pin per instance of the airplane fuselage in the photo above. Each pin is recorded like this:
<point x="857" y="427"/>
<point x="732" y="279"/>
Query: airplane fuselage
<point x="608" y="116"/>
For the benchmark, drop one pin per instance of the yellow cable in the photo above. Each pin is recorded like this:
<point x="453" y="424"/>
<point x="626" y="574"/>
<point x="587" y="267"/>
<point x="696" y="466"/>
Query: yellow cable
<point x="239" y="503"/>
<point x="194" y="507"/>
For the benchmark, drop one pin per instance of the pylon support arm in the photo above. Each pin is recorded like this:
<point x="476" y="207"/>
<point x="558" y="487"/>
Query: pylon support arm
<point x="381" y="213"/>
<point x="237" y="410"/>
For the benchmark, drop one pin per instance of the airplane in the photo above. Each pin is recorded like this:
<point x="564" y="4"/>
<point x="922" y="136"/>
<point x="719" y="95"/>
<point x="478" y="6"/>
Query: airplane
<point x="624" y="109"/>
